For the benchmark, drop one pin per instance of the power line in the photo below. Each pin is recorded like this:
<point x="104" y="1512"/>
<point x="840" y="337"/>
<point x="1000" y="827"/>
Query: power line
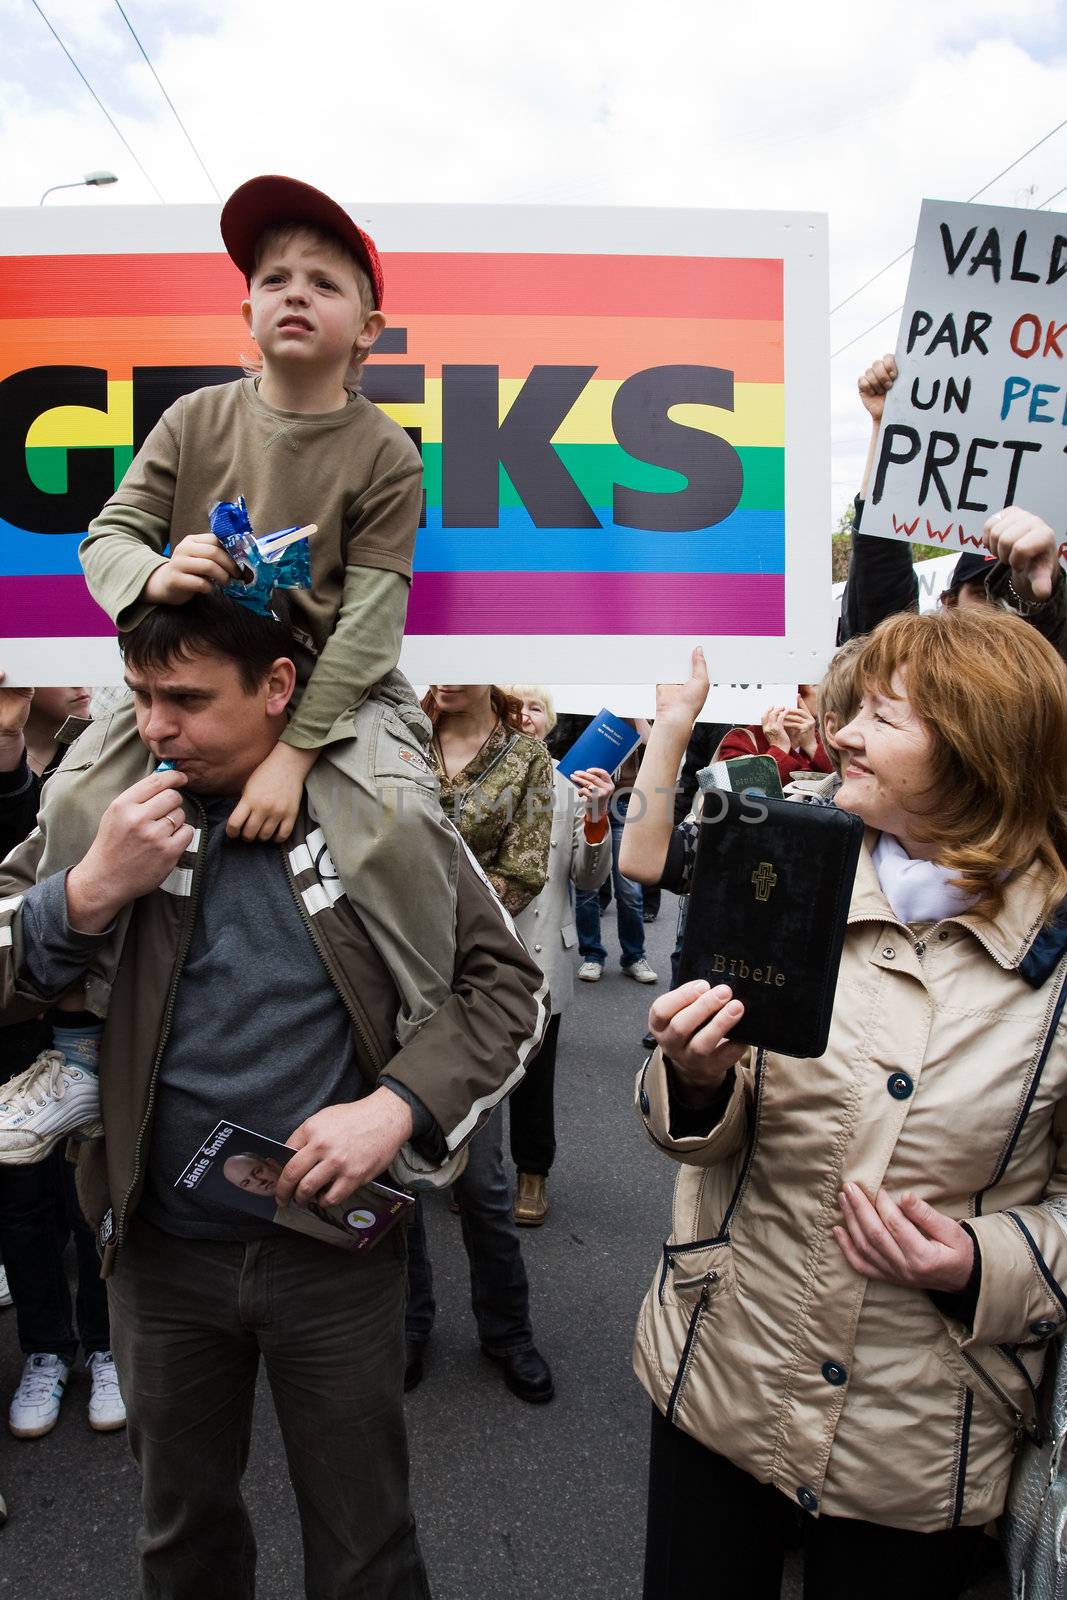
<point x="878" y="324"/>
<point x="97" y="98"/>
<point x="904" y="253"/>
<point x="167" y="98"/>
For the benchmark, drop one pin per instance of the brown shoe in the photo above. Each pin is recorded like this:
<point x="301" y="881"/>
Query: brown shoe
<point x="531" y="1207"/>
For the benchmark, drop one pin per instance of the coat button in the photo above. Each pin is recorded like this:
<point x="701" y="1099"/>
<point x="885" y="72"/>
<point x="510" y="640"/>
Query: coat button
<point x="807" y="1498"/>
<point x="645" y="1104"/>
<point x="834" y="1373"/>
<point x="899" y="1085"/>
<point x="537" y="948"/>
<point x="1044" y="1329"/>
<point x="888" y="952"/>
<point x="555" y="842"/>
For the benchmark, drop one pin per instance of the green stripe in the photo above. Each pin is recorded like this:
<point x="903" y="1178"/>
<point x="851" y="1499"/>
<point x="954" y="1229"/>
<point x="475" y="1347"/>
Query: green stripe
<point x="595" y="468"/>
<point x="47" y="466"/>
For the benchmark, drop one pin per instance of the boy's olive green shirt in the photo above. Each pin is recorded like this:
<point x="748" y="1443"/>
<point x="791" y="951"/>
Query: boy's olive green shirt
<point x="353" y="472"/>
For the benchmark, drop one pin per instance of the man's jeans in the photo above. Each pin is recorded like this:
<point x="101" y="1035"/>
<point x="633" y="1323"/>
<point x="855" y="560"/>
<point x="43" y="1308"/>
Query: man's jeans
<point x="190" y="1319"/>
<point x="629" y="908"/>
<point x="38" y="1212"/>
<point x="500" y="1292"/>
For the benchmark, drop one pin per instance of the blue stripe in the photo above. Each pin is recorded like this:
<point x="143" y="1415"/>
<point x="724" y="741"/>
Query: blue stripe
<point x="748" y="541"/>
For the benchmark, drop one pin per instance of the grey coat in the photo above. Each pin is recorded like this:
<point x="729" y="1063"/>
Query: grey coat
<point x="547" y="925"/>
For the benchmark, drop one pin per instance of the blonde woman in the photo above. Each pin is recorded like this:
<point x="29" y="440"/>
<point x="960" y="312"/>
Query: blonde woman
<point x="867" y="1263"/>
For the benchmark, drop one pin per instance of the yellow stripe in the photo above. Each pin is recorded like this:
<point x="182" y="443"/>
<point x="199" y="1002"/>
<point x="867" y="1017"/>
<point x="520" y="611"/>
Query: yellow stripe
<point x="69" y="427"/>
<point x="757" y="418"/>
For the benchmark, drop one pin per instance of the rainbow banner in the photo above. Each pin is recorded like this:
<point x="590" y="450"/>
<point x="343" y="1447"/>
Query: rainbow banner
<point x="607" y="433"/>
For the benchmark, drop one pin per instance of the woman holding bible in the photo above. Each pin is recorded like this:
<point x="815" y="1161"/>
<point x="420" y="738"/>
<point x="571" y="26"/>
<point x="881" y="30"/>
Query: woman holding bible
<point x="868" y="1261"/>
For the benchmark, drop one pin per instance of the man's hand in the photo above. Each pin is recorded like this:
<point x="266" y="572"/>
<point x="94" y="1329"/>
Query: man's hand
<point x="596" y="788"/>
<point x="141" y="837"/>
<point x="678" y="703"/>
<point x="343" y="1146"/>
<point x="774" y="731"/>
<point x="875" y="384"/>
<point x="799" y="727"/>
<point x="195" y="566"/>
<point x="910" y="1243"/>
<point x="14" y="709"/>
<point x="270" y="800"/>
<point x="691" y="1025"/>
<point x="1029" y="547"/>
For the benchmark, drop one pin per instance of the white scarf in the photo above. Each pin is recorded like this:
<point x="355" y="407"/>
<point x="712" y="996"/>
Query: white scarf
<point x="918" y="891"/>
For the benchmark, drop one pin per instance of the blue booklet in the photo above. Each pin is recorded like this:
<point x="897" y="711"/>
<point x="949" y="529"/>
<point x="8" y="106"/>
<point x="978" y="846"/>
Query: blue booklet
<point x="606" y="743"/>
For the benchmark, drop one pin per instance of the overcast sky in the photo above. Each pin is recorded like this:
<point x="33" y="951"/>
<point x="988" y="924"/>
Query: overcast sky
<point x="840" y="106"/>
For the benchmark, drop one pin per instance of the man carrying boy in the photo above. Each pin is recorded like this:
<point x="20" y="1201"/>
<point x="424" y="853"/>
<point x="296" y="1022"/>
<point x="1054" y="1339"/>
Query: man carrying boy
<point x="302" y="446"/>
<point x="244" y="988"/>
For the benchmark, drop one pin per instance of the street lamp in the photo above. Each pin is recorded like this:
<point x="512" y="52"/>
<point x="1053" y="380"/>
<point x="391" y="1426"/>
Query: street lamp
<point x="95" y="180"/>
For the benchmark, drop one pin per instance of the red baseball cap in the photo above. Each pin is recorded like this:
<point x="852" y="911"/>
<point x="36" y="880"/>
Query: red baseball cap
<point x="272" y="201"/>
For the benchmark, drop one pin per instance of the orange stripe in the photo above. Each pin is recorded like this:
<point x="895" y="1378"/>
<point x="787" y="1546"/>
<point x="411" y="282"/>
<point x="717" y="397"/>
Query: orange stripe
<point x="616" y="346"/>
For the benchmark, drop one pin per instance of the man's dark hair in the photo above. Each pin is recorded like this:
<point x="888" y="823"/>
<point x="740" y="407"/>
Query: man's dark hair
<point x="209" y="625"/>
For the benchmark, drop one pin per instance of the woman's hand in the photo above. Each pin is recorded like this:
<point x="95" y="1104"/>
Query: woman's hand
<point x="596" y="788"/>
<point x="691" y="1025"/>
<point x="683" y="702"/>
<point x="773" y="725"/>
<point x="799" y="727"/>
<point x="910" y="1244"/>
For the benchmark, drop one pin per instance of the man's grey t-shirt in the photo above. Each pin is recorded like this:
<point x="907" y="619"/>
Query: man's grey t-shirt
<point x="259" y="1034"/>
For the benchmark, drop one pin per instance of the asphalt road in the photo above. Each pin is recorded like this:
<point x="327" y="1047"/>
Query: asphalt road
<point x="512" y="1500"/>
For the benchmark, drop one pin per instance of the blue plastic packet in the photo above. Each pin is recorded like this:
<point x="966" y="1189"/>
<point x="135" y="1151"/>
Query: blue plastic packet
<point x="167" y="766"/>
<point x="279" y="560"/>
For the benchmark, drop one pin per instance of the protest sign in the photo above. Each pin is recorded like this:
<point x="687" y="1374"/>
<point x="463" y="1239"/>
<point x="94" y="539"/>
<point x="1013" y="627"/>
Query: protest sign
<point x="622" y="415"/>
<point x="977" y="419"/>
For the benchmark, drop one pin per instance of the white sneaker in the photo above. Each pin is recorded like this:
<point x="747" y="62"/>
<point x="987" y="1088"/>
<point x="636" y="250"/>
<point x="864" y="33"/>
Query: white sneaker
<point x="5" y="1292"/>
<point x="44" y="1104"/>
<point x="641" y="972"/>
<point x="106" y="1410"/>
<point x="35" y="1407"/>
<point x="590" y="971"/>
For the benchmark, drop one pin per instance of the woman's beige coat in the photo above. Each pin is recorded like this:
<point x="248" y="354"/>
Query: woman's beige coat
<point x="945" y="1073"/>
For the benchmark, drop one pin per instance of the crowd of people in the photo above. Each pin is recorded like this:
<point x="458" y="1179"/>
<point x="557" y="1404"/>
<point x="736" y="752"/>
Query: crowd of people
<point x="845" y="1334"/>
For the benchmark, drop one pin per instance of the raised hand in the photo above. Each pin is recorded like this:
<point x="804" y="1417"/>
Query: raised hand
<point x="875" y="384"/>
<point x="678" y="702"/>
<point x="1030" y="548"/>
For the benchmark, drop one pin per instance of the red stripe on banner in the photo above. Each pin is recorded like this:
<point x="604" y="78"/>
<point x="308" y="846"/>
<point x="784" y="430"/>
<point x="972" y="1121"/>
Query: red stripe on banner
<point x="51" y="608"/>
<point x="182" y="283"/>
<point x="613" y="603"/>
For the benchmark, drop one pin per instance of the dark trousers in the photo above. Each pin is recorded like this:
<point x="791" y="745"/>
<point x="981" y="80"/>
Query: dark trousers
<point x="531" y="1109"/>
<point x="714" y="1533"/>
<point x="500" y="1292"/>
<point x="191" y="1319"/>
<point x="38" y="1213"/>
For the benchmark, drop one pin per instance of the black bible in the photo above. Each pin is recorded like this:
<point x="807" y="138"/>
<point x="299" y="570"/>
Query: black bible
<point x="768" y="906"/>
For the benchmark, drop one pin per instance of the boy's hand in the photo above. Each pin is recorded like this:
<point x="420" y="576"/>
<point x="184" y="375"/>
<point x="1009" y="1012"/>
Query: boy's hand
<point x="270" y="799"/>
<point x="195" y="565"/>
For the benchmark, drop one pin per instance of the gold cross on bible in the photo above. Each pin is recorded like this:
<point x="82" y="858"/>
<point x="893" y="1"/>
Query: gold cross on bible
<point x="765" y="879"/>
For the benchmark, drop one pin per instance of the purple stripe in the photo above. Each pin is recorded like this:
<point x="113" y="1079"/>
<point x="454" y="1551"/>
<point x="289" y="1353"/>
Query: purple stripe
<point x="617" y="603"/>
<point x="51" y="608"/>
